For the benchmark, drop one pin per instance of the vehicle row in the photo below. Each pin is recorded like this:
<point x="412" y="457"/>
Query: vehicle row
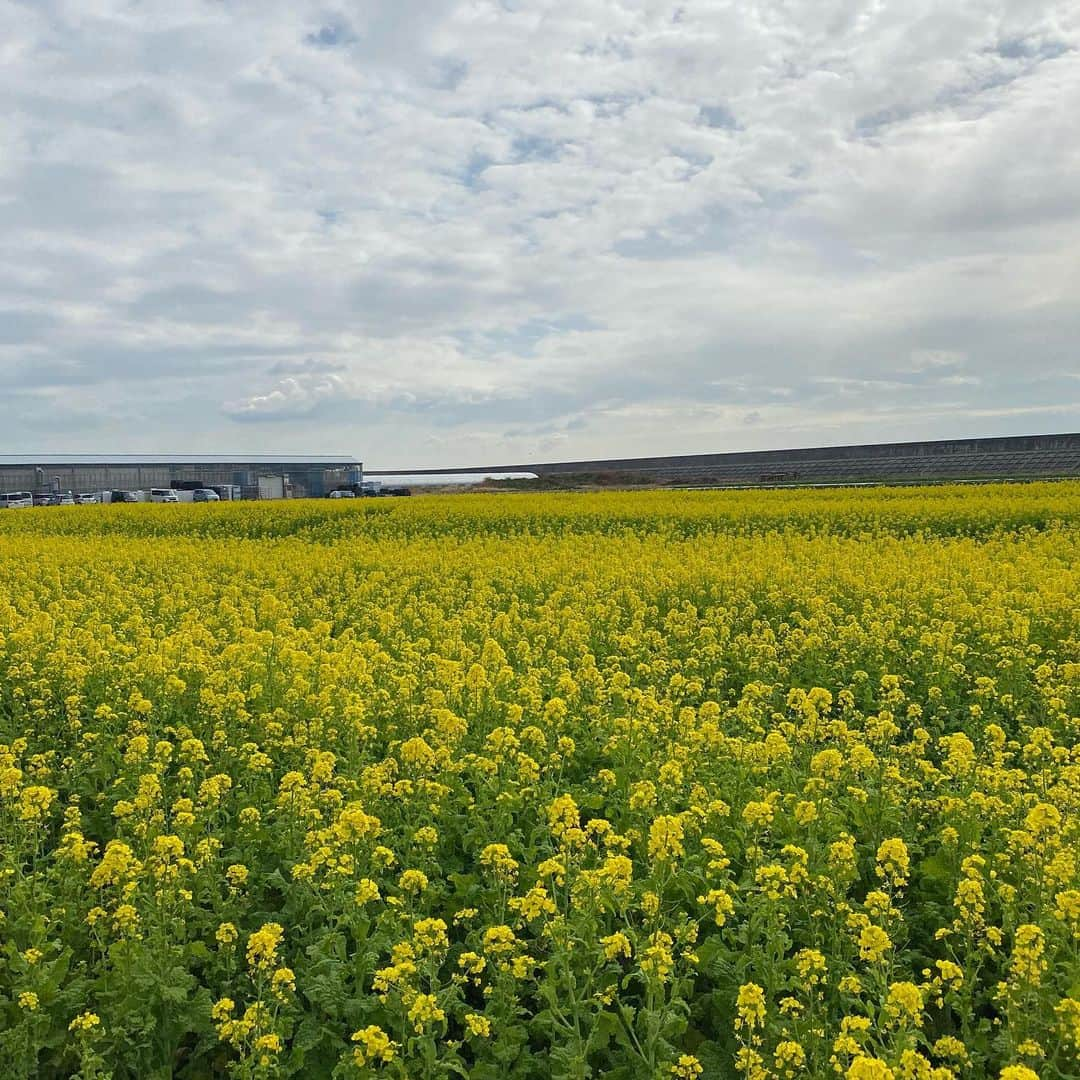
<point x="14" y="500"/>
<point x="18" y="500"/>
<point x="368" y="489"/>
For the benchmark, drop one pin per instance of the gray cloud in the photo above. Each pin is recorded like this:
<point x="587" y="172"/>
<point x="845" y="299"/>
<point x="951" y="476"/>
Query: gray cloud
<point x="422" y="231"/>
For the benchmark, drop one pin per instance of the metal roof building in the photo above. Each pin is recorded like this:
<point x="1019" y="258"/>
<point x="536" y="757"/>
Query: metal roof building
<point x="306" y="474"/>
<point x="1005" y="457"/>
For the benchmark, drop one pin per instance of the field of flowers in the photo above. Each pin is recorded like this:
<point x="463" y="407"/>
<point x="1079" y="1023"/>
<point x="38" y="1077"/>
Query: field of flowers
<point x="668" y="785"/>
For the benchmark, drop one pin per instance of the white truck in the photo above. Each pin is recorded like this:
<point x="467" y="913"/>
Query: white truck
<point x="271" y="487"/>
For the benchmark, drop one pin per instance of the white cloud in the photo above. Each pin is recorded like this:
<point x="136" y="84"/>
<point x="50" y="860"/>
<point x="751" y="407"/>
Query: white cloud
<point x="934" y="359"/>
<point x="617" y="228"/>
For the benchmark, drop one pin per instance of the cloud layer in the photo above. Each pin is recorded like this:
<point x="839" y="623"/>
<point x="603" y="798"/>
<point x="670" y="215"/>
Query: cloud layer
<point x="451" y="232"/>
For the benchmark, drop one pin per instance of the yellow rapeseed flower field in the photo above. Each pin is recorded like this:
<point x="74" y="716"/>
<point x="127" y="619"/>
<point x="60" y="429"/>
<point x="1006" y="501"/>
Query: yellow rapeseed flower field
<point x="658" y="785"/>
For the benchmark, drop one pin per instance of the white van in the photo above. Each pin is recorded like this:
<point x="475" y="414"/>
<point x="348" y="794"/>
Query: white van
<point x="163" y="495"/>
<point x="16" y="500"/>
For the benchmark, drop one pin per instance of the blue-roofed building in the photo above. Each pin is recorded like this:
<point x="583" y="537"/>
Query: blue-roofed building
<point x="300" y="475"/>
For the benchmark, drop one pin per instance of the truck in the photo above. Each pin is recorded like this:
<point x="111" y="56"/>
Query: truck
<point x="272" y="487"/>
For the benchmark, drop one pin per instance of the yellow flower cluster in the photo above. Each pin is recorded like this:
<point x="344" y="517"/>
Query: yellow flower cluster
<point x="760" y="784"/>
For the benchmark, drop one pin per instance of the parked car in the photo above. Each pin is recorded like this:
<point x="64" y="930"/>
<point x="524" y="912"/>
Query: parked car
<point x="16" y="500"/>
<point x="42" y="498"/>
<point x="340" y="493"/>
<point x="125" y="497"/>
<point x="163" y="495"/>
<point x="86" y="498"/>
<point x="62" y="498"/>
<point x="204" y="495"/>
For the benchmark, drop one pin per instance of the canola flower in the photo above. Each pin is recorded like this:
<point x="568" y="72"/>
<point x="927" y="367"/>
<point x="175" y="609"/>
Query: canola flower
<point x="761" y="784"/>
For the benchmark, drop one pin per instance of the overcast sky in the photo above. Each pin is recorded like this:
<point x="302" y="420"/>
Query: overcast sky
<point x="428" y="232"/>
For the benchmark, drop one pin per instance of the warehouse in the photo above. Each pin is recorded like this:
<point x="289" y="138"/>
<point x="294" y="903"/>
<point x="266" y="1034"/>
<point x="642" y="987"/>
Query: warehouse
<point x="293" y="475"/>
<point x="1007" y="457"/>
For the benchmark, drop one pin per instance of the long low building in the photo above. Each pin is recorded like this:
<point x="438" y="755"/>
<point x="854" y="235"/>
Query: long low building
<point x="295" y="475"/>
<point x="994" y="458"/>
